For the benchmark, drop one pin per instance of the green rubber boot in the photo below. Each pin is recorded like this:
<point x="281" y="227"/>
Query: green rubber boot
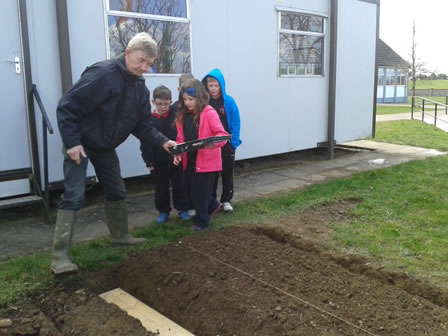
<point x="62" y="242"/>
<point x="116" y="213"/>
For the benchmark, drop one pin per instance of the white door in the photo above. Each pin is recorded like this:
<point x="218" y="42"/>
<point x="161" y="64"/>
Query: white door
<point x="15" y="152"/>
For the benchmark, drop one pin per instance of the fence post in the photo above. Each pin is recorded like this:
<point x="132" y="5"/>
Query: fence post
<point x="435" y="114"/>
<point x="423" y="109"/>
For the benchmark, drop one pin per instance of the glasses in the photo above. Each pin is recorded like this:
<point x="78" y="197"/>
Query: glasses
<point x="162" y="104"/>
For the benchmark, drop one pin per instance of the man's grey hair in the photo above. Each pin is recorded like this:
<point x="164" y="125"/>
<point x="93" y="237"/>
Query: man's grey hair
<point x="145" y="43"/>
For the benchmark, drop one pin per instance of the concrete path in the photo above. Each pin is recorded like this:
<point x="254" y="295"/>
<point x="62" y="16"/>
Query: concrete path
<point x="25" y="236"/>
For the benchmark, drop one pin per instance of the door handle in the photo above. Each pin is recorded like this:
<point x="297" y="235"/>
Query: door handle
<point x="17" y="63"/>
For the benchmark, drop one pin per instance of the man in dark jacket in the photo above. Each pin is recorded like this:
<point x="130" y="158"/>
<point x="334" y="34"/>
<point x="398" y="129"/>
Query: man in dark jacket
<point x="108" y="103"/>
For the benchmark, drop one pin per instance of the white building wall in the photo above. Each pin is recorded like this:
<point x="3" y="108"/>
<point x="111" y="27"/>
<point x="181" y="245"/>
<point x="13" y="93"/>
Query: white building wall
<point x="401" y="90"/>
<point x="355" y="70"/>
<point x="278" y="114"/>
<point x="380" y="91"/>
<point x="390" y="91"/>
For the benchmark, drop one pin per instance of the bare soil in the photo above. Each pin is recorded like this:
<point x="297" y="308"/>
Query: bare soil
<point x="277" y="279"/>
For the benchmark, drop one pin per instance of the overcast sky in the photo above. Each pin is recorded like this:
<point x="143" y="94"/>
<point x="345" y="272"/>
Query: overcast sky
<point x="431" y="23"/>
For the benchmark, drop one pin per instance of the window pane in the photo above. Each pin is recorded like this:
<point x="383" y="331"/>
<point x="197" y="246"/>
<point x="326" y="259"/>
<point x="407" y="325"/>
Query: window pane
<point x="176" y="8"/>
<point x="302" y="52"/>
<point x="173" y="41"/>
<point x="308" y="23"/>
<point x="390" y="76"/>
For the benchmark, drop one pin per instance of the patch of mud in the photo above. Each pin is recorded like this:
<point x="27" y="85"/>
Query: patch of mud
<point x="237" y="282"/>
<point x="260" y="280"/>
<point x="60" y="311"/>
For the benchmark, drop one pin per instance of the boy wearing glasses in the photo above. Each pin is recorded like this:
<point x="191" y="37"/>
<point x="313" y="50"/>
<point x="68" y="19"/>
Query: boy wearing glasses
<point x="161" y="163"/>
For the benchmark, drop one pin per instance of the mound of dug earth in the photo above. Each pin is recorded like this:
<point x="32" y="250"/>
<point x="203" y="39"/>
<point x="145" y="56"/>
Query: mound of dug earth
<point x="236" y="281"/>
<point x="242" y="282"/>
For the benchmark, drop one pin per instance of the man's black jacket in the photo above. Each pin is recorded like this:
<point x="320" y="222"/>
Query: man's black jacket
<point x="104" y="107"/>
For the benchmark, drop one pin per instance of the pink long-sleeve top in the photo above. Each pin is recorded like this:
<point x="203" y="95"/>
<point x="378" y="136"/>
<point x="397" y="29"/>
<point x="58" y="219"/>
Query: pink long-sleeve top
<point x="208" y="160"/>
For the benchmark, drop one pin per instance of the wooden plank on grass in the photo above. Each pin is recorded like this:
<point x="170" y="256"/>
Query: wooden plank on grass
<point x="152" y="320"/>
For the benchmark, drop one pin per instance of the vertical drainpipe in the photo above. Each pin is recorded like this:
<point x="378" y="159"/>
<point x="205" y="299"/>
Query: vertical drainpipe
<point x="64" y="45"/>
<point x="375" y="84"/>
<point x="332" y="78"/>
<point x="23" y="16"/>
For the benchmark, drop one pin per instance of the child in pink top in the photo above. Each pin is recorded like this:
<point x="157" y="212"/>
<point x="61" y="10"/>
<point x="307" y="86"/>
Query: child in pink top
<point x="197" y="120"/>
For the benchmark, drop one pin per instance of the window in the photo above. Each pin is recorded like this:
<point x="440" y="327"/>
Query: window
<point x="380" y="76"/>
<point x="301" y="44"/>
<point x="402" y="78"/>
<point x="390" y="76"/>
<point x="167" y="21"/>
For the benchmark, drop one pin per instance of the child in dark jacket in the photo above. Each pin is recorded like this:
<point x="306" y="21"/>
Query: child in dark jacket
<point x="229" y="114"/>
<point x="197" y="120"/>
<point x="161" y="163"/>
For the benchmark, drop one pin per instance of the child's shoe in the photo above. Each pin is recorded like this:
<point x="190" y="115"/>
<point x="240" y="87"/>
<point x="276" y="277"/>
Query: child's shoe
<point x="184" y="216"/>
<point x="227" y="207"/>
<point x="163" y="217"/>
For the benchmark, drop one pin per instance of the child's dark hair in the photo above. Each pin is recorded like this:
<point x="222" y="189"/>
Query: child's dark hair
<point x="162" y="92"/>
<point x="195" y="89"/>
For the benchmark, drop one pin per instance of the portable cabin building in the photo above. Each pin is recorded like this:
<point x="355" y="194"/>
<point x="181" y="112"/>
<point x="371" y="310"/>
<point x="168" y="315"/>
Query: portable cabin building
<point x="302" y="71"/>
<point x="392" y="75"/>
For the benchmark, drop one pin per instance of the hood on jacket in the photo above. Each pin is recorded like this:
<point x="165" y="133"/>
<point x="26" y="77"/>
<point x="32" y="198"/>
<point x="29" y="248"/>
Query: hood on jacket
<point x="217" y="74"/>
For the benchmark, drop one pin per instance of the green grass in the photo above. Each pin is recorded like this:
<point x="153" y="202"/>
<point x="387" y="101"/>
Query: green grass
<point x="412" y="133"/>
<point x="23" y="275"/>
<point x="392" y="109"/>
<point x="27" y="274"/>
<point x="400" y="108"/>
<point x="437" y="99"/>
<point x="430" y="84"/>
<point x="400" y="219"/>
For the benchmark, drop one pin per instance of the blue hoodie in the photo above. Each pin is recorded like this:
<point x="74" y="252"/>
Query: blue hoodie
<point x="232" y="112"/>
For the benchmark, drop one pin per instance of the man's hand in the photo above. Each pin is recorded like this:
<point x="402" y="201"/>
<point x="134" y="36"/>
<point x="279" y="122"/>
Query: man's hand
<point x="177" y="159"/>
<point x="75" y="153"/>
<point x="169" y="143"/>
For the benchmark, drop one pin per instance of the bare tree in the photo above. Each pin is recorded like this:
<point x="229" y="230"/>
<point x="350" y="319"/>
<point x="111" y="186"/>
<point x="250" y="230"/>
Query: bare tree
<point x="417" y="66"/>
<point x="172" y="37"/>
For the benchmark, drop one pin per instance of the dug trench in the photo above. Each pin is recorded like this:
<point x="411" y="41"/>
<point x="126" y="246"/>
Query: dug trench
<point x="255" y="280"/>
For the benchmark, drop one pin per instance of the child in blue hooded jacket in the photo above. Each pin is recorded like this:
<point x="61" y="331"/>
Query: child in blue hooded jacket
<point x="229" y="114"/>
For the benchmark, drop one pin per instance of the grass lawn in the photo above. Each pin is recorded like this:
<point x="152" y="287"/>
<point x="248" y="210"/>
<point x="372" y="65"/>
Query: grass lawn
<point x="400" y="219"/>
<point x="437" y="99"/>
<point x="430" y="84"/>
<point x="412" y="133"/>
<point x="400" y="108"/>
<point x="392" y="109"/>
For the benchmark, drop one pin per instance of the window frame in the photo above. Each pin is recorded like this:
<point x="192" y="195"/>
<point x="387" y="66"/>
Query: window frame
<point x="108" y="12"/>
<point x="281" y="30"/>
